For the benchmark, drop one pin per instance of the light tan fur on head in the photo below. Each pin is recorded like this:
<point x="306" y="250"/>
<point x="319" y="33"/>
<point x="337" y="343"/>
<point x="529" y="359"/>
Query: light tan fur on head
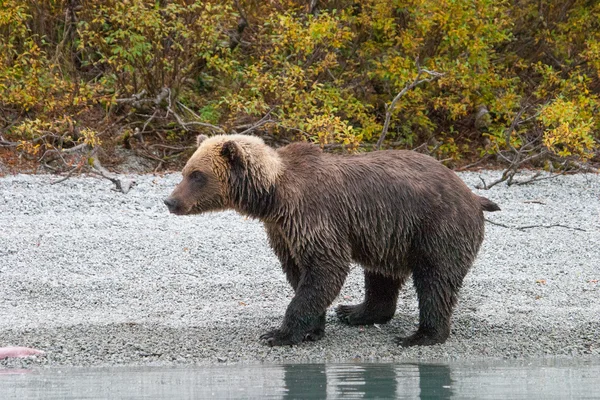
<point x="222" y="169"/>
<point x="261" y="161"/>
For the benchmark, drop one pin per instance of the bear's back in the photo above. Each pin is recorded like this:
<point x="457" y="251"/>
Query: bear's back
<point x="385" y="176"/>
<point x="379" y="201"/>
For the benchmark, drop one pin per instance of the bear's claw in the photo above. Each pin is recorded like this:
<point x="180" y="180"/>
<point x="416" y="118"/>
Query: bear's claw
<point x="315" y="335"/>
<point x="276" y="338"/>
<point x="420" y="339"/>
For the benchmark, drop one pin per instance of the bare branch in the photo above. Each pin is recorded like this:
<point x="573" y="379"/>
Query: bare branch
<point x="536" y="178"/>
<point x="522" y="228"/>
<point x="264" y="120"/>
<point x="585" y="167"/>
<point x="75" y="148"/>
<point x="390" y="108"/>
<point x="136" y="98"/>
<point x="6" y="143"/>
<point x="512" y="127"/>
<point x="97" y="168"/>
<point x="66" y="176"/>
<point x="512" y="170"/>
<point x="148" y="121"/>
<point x="185" y="125"/>
<point x="313" y="8"/>
<point x="534" y="202"/>
<point x="482" y="159"/>
<point x="518" y="157"/>
<point x="175" y="148"/>
<point x="236" y="37"/>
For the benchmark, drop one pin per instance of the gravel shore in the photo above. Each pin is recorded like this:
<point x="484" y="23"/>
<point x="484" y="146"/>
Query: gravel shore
<point x="95" y="277"/>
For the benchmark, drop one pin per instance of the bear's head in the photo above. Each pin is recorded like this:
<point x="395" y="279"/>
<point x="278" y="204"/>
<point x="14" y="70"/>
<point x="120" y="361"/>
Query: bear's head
<point x="225" y="171"/>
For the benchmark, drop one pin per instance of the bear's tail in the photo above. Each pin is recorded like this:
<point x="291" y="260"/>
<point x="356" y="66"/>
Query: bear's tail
<point x="487" y="204"/>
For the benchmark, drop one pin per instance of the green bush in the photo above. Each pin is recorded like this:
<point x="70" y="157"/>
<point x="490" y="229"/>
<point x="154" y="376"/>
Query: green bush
<point x="516" y="75"/>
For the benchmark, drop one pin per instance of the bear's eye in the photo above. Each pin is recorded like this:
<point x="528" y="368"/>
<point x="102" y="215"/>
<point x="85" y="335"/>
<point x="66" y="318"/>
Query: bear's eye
<point x="198" y="177"/>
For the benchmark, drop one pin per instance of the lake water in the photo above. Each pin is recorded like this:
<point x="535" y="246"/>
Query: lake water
<point x="545" y="379"/>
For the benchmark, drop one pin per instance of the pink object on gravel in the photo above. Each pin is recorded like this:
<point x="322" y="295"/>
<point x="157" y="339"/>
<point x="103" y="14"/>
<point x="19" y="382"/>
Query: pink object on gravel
<point x="11" y="352"/>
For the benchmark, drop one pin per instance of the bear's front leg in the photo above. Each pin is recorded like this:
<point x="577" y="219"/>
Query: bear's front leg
<point x="304" y="319"/>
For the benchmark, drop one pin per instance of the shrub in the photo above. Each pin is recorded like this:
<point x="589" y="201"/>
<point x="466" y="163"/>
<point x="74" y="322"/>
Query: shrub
<point x="517" y="76"/>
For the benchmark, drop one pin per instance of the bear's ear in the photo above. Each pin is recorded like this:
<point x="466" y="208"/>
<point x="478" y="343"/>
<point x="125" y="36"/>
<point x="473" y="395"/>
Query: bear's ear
<point x="232" y="152"/>
<point x="200" y="139"/>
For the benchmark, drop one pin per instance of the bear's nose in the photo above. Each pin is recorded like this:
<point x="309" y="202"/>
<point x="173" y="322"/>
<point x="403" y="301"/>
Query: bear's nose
<point x="171" y="204"/>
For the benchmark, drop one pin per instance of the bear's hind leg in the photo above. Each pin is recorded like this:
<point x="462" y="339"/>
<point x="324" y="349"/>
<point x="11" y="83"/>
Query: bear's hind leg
<point x="379" y="306"/>
<point x="437" y="288"/>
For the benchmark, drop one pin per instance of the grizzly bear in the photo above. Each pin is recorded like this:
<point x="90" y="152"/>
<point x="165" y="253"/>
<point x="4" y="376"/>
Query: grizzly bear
<point x="394" y="212"/>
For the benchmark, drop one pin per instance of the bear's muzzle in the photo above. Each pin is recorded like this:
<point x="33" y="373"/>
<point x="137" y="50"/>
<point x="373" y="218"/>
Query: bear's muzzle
<point x="173" y="205"/>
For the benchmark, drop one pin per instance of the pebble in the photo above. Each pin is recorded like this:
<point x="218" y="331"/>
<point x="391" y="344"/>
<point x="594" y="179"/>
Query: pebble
<point x="85" y="272"/>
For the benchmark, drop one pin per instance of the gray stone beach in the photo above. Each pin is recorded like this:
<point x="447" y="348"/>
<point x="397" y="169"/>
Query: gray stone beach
<point x="94" y="277"/>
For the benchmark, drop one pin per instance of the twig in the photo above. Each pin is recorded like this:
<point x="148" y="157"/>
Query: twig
<point x="184" y="124"/>
<point x="509" y="173"/>
<point x="175" y="148"/>
<point x="75" y="148"/>
<point x="482" y="159"/>
<point x="264" y="120"/>
<point x="122" y="186"/>
<point x="512" y="127"/>
<point x="552" y="226"/>
<point x="418" y="148"/>
<point x="50" y="167"/>
<point x="148" y="121"/>
<point x="535" y="178"/>
<point x="66" y="177"/>
<point x="534" y="202"/>
<point x="390" y="108"/>
<point x="186" y="273"/>
<point x="6" y="143"/>
<point x="585" y="167"/>
<point x="437" y="146"/>
<point x="522" y="228"/>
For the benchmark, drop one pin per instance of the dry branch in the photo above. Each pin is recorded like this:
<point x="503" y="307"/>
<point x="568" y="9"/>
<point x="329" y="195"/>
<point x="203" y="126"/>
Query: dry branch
<point x="481" y="160"/>
<point x="66" y="176"/>
<point x="89" y="159"/>
<point x="522" y="228"/>
<point x="5" y="143"/>
<point x="121" y="185"/>
<point x="516" y="157"/>
<point x="390" y="108"/>
<point x="263" y="121"/>
<point x="185" y="125"/>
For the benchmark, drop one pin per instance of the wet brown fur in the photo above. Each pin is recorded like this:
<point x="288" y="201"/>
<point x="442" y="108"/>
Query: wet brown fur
<point x="395" y="213"/>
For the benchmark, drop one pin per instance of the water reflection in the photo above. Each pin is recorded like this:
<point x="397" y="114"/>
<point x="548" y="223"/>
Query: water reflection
<point x="297" y="378"/>
<point x="434" y="381"/>
<point x="367" y="381"/>
<point x="310" y="381"/>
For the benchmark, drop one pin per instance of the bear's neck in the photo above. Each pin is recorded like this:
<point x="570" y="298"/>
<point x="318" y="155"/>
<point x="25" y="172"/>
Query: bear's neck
<point x="251" y="199"/>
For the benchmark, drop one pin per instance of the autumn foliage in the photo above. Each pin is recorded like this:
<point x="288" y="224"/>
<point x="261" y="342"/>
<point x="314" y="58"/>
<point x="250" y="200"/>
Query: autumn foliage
<point x="518" y="77"/>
